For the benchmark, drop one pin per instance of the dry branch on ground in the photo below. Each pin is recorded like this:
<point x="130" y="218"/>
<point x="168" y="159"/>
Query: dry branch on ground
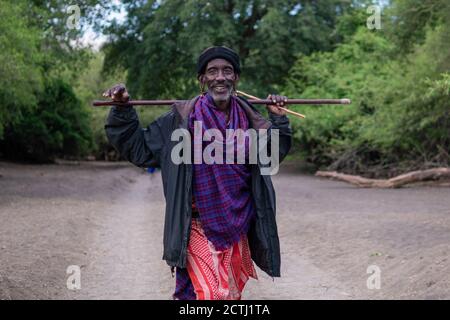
<point x="396" y="182"/>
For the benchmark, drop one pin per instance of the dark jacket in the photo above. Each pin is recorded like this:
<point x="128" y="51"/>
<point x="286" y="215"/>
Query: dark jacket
<point x="152" y="146"/>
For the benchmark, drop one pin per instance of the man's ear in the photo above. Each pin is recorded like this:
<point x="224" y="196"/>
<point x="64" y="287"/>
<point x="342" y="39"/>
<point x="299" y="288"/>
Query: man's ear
<point x="201" y="79"/>
<point x="237" y="77"/>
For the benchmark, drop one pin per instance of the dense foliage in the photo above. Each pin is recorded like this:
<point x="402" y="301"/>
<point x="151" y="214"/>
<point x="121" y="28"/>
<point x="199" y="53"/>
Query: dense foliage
<point x="399" y="119"/>
<point x="160" y="41"/>
<point x="398" y="77"/>
<point x="41" y="116"/>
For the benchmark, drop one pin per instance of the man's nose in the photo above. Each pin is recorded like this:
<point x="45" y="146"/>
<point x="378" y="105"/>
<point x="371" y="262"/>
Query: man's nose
<point x="220" y="76"/>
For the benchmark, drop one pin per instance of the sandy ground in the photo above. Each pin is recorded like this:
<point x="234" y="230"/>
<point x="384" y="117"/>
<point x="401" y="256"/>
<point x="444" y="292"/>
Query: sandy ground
<point x="107" y="218"/>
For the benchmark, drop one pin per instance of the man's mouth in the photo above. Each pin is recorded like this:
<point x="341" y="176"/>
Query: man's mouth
<point x="221" y="89"/>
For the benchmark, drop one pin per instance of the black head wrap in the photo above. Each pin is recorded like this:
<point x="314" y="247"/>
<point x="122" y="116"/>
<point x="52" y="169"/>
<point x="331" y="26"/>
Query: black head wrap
<point x="216" y="53"/>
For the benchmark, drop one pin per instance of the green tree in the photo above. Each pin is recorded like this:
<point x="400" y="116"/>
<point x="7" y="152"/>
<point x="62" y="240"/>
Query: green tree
<point x="20" y="59"/>
<point x="58" y="126"/>
<point x="408" y="20"/>
<point x="39" y="56"/>
<point x="160" y="41"/>
<point x="357" y="69"/>
<point x="399" y="118"/>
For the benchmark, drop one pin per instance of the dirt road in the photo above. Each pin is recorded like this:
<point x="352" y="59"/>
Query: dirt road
<point x="108" y="219"/>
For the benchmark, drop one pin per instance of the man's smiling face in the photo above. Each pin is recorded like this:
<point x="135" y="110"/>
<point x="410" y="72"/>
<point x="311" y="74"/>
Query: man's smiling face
<point x="220" y="78"/>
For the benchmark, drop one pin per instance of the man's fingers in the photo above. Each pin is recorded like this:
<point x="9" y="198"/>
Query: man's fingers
<point x="117" y="93"/>
<point x="272" y="97"/>
<point x="107" y="93"/>
<point x="119" y="89"/>
<point x="278" y="102"/>
<point x="277" y="99"/>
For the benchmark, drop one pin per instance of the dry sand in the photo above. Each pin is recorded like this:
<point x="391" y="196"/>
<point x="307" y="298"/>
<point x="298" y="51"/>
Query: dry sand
<point x="107" y="218"/>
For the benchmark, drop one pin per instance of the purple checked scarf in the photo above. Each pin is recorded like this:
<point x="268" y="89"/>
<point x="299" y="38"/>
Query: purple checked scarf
<point x="222" y="192"/>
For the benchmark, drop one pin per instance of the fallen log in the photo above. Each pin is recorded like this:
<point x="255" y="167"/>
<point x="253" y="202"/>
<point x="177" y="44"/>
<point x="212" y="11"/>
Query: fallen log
<point x="396" y="182"/>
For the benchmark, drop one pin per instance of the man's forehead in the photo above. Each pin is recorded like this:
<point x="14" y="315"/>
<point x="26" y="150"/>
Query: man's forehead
<point x="219" y="63"/>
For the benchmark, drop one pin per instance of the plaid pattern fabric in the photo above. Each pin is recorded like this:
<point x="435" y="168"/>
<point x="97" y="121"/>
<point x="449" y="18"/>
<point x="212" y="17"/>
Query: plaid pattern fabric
<point x="213" y="274"/>
<point x="184" y="290"/>
<point x="222" y="191"/>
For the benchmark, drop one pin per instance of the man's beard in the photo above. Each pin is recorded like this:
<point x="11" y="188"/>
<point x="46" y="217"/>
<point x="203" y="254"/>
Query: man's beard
<point x="221" y="92"/>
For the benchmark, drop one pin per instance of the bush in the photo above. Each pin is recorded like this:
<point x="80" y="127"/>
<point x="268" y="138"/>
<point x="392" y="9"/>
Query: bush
<point x="399" y="118"/>
<point x="58" y="126"/>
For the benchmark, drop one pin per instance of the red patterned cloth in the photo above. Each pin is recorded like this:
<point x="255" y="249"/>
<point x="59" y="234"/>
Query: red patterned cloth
<point x="218" y="274"/>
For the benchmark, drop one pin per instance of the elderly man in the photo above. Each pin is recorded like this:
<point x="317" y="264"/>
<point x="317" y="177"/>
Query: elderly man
<point x="219" y="217"/>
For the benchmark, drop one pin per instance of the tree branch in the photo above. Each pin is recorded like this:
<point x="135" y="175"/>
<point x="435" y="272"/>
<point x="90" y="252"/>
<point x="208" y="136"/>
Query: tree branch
<point x="396" y="182"/>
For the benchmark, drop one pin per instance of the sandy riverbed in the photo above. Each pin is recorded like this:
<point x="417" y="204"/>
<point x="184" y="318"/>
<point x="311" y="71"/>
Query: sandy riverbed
<point x="107" y="218"/>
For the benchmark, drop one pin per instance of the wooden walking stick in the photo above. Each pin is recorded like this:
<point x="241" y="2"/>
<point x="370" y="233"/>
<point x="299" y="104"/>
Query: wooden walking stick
<point x="253" y="100"/>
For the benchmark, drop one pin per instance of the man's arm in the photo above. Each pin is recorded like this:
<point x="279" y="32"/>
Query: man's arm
<point x="282" y="124"/>
<point x="142" y="147"/>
